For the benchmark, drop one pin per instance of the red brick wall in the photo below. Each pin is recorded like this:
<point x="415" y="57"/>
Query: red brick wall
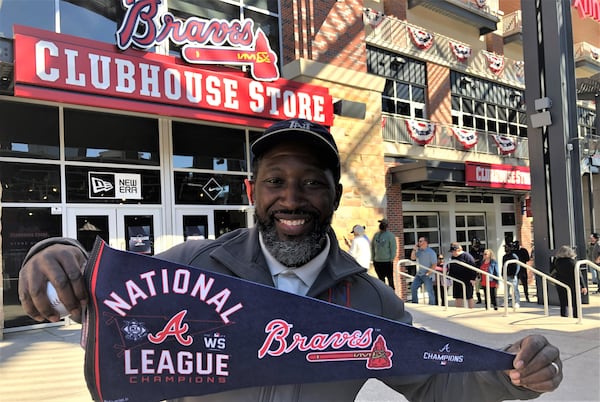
<point x="396" y="226"/>
<point x="395" y="8"/>
<point x="438" y="83"/>
<point x="494" y="43"/>
<point x="328" y="31"/>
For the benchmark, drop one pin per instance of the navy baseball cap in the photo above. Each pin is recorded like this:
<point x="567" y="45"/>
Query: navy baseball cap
<point x="301" y="130"/>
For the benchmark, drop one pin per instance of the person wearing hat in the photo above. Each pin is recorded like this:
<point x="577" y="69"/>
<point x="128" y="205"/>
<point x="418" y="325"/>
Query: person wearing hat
<point x="383" y="250"/>
<point x="295" y="190"/>
<point x="360" y="247"/>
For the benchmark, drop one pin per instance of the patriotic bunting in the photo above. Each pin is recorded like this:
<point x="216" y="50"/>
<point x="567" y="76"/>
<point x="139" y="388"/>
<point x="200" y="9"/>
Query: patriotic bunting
<point x="372" y="17"/>
<point x="495" y="62"/>
<point x="420" y="131"/>
<point x="505" y="144"/>
<point x="460" y="51"/>
<point x="422" y="39"/>
<point x="480" y="3"/>
<point x="468" y="138"/>
<point x="519" y="69"/>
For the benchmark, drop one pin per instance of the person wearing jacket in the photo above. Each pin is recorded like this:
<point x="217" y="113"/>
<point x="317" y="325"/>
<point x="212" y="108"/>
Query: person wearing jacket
<point x="383" y="252"/>
<point x="360" y="246"/>
<point x="296" y="189"/>
<point x="489" y="265"/>
<point x="564" y="266"/>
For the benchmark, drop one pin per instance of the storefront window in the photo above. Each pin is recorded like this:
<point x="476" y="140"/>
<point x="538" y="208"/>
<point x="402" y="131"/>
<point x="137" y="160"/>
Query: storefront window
<point x="33" y="13"/>
<point x="209" y="189"/>
<point x="29" y="131"/>
<point x="96" y="20"/>
<point x="21" y="229"/>
<point x="28" y="182"/>
<point x="110" y="138"/>
<point x="194" y="146"/>
<point x="80" y="185"/>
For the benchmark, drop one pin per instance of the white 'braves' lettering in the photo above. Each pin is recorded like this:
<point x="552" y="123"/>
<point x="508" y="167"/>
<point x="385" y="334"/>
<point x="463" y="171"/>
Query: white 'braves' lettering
<point x="277" y="342"/>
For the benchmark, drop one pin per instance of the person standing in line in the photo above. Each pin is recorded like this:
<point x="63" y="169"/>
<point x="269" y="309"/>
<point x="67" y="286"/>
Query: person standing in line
<point x="593" y="254"/>
<point x="360" y="247"/>
<point x="564" y="265"/>
<point x="426" y="258"/>
<point x="490" y="265"/>
<point x="512" y="274"/>
<point x="439" y="279"/>
<point x="383" y="250"/>
<point x="464" y="274"/>
<point x="523" y="256"/>
<point x="477" y="253"/>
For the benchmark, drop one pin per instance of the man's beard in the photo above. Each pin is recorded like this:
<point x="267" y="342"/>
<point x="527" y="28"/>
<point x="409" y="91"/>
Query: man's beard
<point x="293" y="253"/>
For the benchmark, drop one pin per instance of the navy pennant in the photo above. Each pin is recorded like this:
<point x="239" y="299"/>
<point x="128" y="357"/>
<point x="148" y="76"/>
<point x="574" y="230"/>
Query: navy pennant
<point x="157" y="330"/>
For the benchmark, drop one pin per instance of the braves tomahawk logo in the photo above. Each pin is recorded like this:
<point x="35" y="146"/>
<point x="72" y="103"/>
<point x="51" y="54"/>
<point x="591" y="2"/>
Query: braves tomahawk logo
<point x="203" y="41"/>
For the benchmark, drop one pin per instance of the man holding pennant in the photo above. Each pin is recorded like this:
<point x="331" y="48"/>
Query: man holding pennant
<point x="295" y="189"/>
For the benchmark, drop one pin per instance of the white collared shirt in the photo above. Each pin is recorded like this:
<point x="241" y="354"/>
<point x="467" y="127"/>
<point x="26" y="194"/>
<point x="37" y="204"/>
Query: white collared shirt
<point x="307" y="273"/>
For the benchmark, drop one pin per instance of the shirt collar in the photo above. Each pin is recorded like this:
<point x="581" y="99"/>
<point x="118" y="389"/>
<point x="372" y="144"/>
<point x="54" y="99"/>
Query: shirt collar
<point x="307" y="273"/>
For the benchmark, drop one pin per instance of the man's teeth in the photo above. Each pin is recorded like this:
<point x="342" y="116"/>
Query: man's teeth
<point x="296" y="222"/>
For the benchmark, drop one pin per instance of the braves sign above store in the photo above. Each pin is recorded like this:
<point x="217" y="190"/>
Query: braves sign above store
<point x="194" y="34"/>
<point x="51" y="66"/>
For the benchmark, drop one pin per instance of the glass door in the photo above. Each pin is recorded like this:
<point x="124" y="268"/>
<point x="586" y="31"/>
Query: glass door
<point x="194" y="224"/>
<point x="132" y="229"/>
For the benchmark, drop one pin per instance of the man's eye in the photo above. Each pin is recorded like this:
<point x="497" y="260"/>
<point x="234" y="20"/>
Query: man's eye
<point x="273" y="180"/>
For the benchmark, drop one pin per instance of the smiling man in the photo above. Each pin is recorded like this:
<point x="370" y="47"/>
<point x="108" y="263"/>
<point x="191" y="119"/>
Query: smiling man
<point x="296" y="189"/>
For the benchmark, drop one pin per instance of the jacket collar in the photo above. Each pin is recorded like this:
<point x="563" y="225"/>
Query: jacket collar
<point x="240" y="252"/>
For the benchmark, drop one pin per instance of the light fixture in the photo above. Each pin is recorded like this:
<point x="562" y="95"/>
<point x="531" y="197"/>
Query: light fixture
<point x="398" y="60"/>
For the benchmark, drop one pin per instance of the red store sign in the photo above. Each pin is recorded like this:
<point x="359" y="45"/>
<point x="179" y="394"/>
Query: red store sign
<point x="497" y="176"/>
<point x="93" y="73"/>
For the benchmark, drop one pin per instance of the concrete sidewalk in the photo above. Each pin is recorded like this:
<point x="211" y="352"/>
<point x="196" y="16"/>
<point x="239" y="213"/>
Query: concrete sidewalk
<point x="47" y="364"/>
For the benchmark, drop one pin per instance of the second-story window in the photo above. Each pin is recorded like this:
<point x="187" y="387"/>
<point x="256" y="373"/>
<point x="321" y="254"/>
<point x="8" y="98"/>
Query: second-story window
<point x="406" y="82"/>
<point x="487" y="106"/>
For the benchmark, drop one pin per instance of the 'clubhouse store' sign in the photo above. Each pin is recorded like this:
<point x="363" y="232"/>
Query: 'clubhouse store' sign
<point x="95" y="73"/>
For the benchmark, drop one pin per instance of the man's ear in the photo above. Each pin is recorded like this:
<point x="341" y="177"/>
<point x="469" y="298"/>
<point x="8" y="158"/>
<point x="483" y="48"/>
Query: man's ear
<point x="339" y="190"/>
<point x="249" y="190"/>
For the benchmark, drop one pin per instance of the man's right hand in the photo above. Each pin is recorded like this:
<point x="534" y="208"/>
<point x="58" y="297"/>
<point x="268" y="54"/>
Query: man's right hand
<point x="62" y="265"/>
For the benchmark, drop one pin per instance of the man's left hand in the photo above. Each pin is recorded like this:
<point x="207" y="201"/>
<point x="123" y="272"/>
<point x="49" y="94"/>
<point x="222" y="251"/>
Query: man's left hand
<point x="537" y="364"/>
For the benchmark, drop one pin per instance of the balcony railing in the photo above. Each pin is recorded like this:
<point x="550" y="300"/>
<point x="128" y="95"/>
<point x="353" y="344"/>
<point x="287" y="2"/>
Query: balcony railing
<point x="394" y="34"/>
<point x="586" y="54"/>
<point x="396" y="129"/>
<point x="512" y="25"/>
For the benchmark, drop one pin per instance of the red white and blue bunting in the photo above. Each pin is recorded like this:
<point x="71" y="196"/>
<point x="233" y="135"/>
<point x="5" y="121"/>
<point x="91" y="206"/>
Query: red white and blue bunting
<point x="421" y="132"/>
<point x="506" y="145"/>
<point x="460" y="51"/>
<point x="595" y="53"/>
<point x="372" y="17"/>
<point x="468" y="138"/>
<point x="480" y="3"/>
<point x="422" y="39"/>
<point x="519" y="69"/>
<point x="495" y="62"/>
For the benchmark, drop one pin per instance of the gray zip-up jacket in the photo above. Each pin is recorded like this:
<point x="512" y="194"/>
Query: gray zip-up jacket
<point x="342" y="281"/>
